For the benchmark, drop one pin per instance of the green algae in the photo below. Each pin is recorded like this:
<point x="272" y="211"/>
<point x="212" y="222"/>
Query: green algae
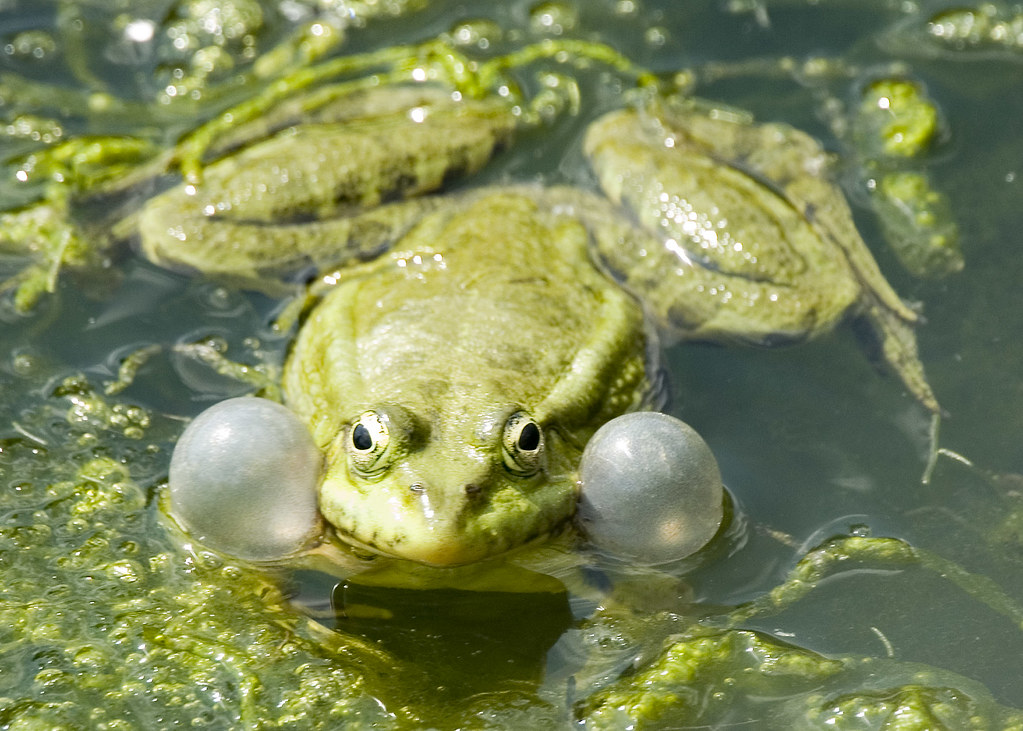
<point x="108" y="620"/>
<point x="107" y="623"/>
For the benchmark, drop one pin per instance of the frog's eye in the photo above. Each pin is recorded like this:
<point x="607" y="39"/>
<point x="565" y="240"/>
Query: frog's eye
<point x="368" y="440"/>
<point x="523" y="444"/>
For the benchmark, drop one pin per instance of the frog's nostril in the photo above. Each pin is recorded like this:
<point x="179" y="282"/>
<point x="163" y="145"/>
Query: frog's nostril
<point x="417" y="487"/>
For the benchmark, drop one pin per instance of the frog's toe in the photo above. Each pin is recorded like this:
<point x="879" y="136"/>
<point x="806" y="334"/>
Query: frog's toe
<point x="651" y="489"/>
<point x="243" y="480"/>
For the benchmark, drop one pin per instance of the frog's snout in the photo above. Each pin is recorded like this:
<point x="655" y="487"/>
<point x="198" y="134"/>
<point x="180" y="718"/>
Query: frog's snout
<point x="470" y="488"/>
<point x="450" y="518"/>
<point x="469" y="511"/>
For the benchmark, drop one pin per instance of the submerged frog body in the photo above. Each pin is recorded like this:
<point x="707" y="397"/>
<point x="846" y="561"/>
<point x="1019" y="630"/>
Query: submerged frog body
<point x="473" y="342"/>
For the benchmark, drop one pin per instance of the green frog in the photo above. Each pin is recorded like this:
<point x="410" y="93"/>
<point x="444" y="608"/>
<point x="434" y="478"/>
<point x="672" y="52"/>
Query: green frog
<point x="467" y="343"/>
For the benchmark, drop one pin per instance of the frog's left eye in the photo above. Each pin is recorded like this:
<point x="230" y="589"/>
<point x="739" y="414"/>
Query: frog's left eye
<point x="368" y="440"/>
<point x="523" y="444"/>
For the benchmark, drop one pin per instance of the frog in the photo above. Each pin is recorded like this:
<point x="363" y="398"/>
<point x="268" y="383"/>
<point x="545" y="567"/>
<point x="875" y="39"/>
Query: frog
<point x="465" y="343"/>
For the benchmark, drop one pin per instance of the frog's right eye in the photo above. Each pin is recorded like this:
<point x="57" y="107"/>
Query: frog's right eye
<point x="368" y="440"/>
<point x="523" y="445"/>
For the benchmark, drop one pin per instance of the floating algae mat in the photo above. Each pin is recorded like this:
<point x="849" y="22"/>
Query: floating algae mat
<point x="845" y="590"/>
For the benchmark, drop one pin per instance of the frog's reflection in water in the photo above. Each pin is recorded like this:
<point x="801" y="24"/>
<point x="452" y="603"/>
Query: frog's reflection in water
<point x="466" y="639"/>
<point x="469" y="641"/>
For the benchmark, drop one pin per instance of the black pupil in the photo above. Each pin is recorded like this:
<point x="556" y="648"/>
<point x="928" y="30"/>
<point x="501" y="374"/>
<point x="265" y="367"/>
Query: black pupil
<point x="361" y="437"/>
<point x="529" y="437"/>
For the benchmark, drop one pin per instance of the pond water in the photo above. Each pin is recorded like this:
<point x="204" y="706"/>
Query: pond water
<point x="107" y="621"/>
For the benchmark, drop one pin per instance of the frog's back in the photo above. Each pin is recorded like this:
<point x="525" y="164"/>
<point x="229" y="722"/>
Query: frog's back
<point x="489" y="302"/>
<point x="506" y="297"/>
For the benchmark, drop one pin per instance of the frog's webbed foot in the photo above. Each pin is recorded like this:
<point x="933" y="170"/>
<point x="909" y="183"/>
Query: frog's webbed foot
<point x="890" y="322"/>
<point x="896" y="342"/>
<point x="262" y="378"/>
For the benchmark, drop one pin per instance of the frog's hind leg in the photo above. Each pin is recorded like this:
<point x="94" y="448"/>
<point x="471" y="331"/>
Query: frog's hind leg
<point x="742" y="244"/>
<point x="254" y="252"/>
<point x="886" y="319"/>
<point x="890" y="321"/>
<point x="324" y="193"/>
<point x="896" y="344"/>
<point x="690" y="300"/>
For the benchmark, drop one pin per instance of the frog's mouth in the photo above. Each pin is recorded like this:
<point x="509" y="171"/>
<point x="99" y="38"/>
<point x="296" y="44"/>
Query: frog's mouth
<point x="440" y="548"/>
<point x="441" y="528"/>
<point x="439" y="555"/>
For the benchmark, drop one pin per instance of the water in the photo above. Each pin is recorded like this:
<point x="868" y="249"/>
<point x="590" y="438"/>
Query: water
<point x="813" y="440"/>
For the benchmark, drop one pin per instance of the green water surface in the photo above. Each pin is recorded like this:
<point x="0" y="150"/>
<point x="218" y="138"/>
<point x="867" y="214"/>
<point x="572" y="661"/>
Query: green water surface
<point x="107" y="621"/>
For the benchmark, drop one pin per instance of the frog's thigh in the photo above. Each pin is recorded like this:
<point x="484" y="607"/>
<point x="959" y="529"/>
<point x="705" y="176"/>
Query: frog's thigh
<point x="175" y="235"/>
<point x="690" y="301"/>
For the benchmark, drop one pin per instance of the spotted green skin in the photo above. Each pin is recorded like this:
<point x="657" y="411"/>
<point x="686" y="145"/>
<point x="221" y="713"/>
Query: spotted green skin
<point x="454" y="317"/>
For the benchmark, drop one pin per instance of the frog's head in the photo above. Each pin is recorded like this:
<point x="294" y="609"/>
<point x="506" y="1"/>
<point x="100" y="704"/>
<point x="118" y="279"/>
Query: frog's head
<point x="447" y="489"/>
